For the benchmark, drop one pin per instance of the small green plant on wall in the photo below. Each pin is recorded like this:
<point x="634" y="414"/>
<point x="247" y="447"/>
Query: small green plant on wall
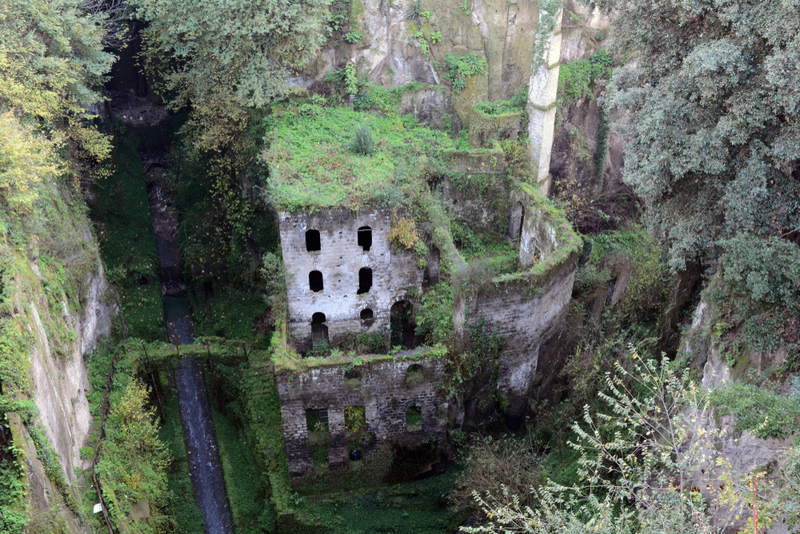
<point x="461" y="68"/>
<point x="353" y="37"/>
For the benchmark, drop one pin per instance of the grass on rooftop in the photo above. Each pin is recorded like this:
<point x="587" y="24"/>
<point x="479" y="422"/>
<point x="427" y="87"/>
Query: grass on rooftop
<point x="312" y="166"/>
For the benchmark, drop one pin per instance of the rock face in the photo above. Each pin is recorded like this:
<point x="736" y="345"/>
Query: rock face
<point x="59" y="380"/>
<point x="406" y="41"/>
<point x="744" y="451"/>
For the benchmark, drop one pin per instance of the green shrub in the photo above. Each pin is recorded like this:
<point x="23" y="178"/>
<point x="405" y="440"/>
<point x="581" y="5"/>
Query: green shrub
<point x="362" y="144"/>
<point x="459" y="68"/>
<point x="578" y="79"/>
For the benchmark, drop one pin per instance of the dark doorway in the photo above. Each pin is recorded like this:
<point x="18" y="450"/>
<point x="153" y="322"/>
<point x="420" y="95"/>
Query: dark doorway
<point x="367" y="317"/>
<point x="402" y="325"/>
<point x="315" y="281"/>
<point x="364" y="280"/>
<point x="319" y="330"/>
<point x="312" y="240"/>
<point x="365" y="238"/>
<point x="319" y="438"/>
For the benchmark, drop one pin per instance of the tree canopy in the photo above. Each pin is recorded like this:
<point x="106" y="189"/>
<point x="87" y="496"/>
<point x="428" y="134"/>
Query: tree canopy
<point x="711" y="106"/>
<point x="51" y="63"/>
<point x="225" y="57"/>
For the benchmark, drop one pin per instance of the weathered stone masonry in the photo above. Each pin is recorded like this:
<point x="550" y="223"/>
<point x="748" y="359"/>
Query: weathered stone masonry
<point x="383" y="392"/>
<point x="339" y="260"/>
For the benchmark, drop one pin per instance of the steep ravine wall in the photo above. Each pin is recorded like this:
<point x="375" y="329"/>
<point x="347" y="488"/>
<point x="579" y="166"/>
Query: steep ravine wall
<point x="59" y="335"/>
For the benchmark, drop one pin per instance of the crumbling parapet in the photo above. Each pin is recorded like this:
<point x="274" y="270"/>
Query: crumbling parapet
<point x="525" y="307"/>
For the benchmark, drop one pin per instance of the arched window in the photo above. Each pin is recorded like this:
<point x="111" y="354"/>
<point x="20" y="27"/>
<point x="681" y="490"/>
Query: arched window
<point x="312" y="240"/>
<point x="315" y="281"/>
<point x="367" y="317"/>
<point x="365" y="238"/>
<point x="364" y="280"/>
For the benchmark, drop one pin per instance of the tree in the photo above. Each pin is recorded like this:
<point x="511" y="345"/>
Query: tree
<point x="51" y="63"/>
<point x="226" y="58"/>
<point x="649" y="464"/>
<point x="711" y="112"/>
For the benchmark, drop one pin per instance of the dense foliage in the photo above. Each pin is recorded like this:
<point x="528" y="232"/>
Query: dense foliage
<point x="226" y="58"/>
<point x="713" y="142"/>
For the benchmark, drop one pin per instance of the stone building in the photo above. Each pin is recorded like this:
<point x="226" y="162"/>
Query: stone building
<point x="343" y="278"/>
<point x="397" y="396"/>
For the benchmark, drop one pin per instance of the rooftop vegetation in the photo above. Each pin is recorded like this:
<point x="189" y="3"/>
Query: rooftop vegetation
<point x="312" y="165"/>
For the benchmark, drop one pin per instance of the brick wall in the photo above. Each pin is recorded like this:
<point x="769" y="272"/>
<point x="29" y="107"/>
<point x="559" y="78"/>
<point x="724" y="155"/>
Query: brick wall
<point x="383" y="392"/>
<point x="339" y="260"/>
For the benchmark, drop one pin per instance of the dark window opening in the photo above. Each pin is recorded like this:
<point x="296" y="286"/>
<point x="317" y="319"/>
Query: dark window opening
<point x="364" y="281"/>
<point x="312" y="241"/>
<point x="365" y="238"/>
<point x="432" y="270"/>
<point x="367" y="317"/>
<point x="402" y="325"/>
<point x="414" y="375"/>
<point x="319" y="438"/>
<point x="319" y="331"/>
<point x="352" y="378"/>
<point x="315" y="281"/>
<point x="414" y="419"/>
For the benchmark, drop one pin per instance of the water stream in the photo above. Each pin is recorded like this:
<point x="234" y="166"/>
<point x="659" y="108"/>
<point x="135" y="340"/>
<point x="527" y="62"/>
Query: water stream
<point x="201" y="447"/>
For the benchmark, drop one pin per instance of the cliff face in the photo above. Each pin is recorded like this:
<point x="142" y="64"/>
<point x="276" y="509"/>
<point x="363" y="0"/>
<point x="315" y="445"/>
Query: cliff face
<point x="402" y="41"/>
<point x="54" y="310"/>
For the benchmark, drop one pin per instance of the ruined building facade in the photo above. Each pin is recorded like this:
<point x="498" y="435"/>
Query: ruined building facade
<point x="343" y="277"/>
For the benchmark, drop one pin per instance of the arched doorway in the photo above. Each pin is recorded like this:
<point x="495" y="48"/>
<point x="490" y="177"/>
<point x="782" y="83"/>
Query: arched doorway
<point x="402" y="325"/>
<point x="319" y="330"/>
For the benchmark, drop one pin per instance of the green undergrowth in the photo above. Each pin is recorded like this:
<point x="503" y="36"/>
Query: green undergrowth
<point x="418" y="507"/>
<point x="311" y="166"/>
<point x="132" y="460"/>
<point x="617" y="254"/>
<point x="231" y="313"/>
<point x="578" y="79"/>
<point x="127" y="244"/>
<point x="182" y="507"/>
<point x="243" y="483"/>
<point x="261" y="414"/>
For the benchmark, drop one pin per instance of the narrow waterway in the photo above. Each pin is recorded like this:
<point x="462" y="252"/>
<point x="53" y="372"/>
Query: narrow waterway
<point x="204" y="465"/>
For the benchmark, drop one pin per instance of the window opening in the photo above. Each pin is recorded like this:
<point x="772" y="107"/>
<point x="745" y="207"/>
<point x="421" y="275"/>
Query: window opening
<point x="432" y="270"/>
<point x="414" y="375"/>
<point x="352" y="378"/>
<point x="312" y="241"/>
<point x="364" y="281"/>
<point x="319" y="437"/>
<point x="355" y="431"/>
<point x="315" y="281"/>
<point x="365" y="238"/>
<point x="367" y="317"/>
<point x="414" y="419"/>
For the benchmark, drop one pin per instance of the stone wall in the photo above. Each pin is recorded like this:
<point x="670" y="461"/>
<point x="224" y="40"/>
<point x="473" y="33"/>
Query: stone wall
<point x="340" y="258"/>
<point x="525" y="308"/>
<point x="384" y="393"/>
